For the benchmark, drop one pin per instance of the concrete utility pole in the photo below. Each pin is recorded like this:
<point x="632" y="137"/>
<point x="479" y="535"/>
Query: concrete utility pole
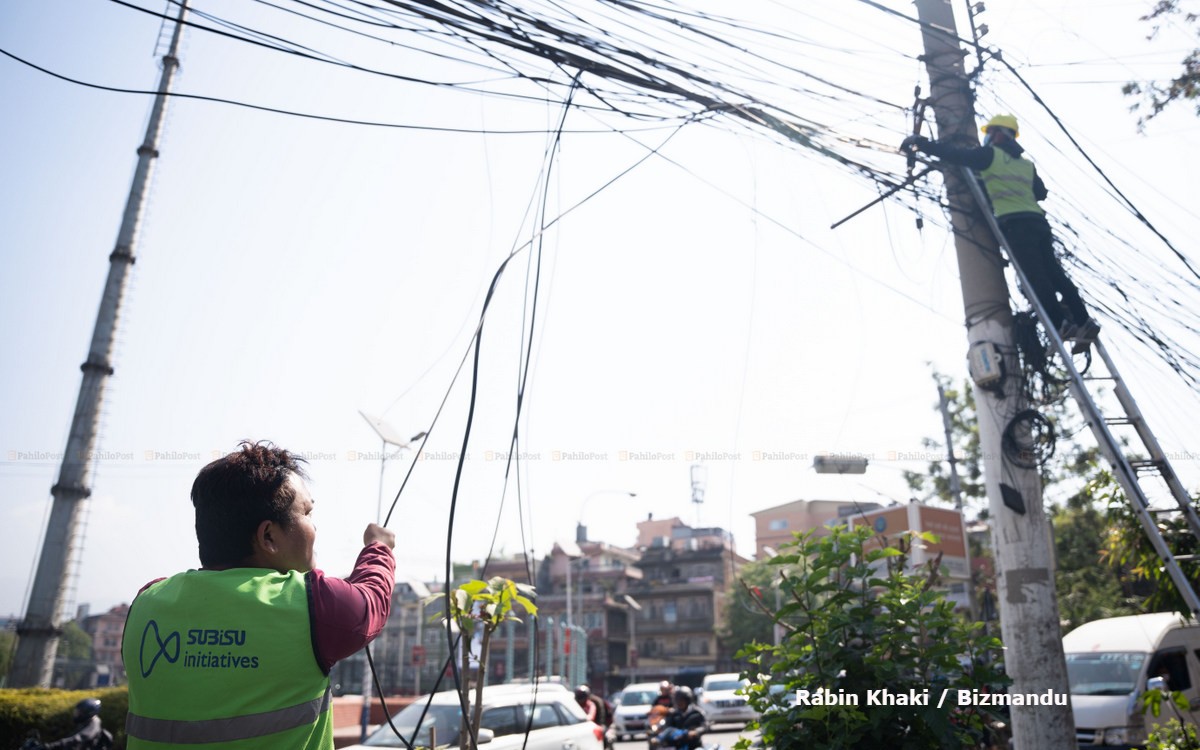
<point x="1021" y="539"/>
<point x="33" y="664"/>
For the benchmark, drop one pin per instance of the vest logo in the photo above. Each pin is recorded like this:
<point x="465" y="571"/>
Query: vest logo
<point x="164" y="648"/>
<point x="200" y="637"/>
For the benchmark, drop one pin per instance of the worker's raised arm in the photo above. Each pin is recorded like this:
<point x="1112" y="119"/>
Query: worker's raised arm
<point x="978" y="158"/>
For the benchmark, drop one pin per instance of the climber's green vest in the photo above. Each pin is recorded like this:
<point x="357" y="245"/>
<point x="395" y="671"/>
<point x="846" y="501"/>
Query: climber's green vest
<point x="1009" y="182"/>
<point x="225" y="658"/>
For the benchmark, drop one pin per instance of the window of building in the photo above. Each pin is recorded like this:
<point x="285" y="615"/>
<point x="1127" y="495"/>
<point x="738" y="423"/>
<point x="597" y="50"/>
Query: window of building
<point x="777" y="524"/>
<point x="669" y="614"/>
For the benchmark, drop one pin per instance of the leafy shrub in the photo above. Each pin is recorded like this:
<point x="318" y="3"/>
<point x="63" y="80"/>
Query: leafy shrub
<point x="857" y="621"/>
<point x="48" y="712"/>
<point x="1175" y="734"/>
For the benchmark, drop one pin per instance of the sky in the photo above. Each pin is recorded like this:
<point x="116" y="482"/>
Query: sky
<point x="694" y="308"/>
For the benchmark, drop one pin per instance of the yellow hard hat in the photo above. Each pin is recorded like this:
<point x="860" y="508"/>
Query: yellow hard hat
<point x="1004" y="121"/>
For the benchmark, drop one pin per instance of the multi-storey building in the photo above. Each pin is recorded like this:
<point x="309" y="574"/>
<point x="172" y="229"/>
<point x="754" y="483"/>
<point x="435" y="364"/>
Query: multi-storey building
<point x="686" y="576"/>
<point x="777" y="525"/>
<point x="105" y="630"/>
<point x="645" y="613"/>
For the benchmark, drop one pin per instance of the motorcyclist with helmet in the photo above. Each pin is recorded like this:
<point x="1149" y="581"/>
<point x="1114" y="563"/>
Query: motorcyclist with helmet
<point x="684" y="726"/>
<point x="660" y="707"/>
<point x="597" y="709"/>
<point x="89" y="733"/>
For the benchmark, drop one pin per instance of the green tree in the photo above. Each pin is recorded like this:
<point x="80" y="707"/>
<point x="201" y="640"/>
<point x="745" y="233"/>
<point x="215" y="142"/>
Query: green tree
<point x="1096" y="550"/>
<point x="1127" y="548"/>
<point x="857" y="623"/>
<point x="1154" y="96"/>
<point x="1087" y="588"/>
<point x="744" y="620"/>
<point x="8" y="645"/>
<point x="480" y="607"/>
<point x="964" y="432"/>
<point x="75" y="654"/>
<point x="1177" y="733"/>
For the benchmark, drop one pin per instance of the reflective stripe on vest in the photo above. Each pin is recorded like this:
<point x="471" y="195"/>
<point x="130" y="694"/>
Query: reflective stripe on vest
<point x="1009" y="182"/>
<point x="226" y="730"/>
<point x="225" y="657"/>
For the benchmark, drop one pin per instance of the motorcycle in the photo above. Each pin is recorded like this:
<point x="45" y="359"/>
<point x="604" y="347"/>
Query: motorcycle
<point x="661" y="737"/>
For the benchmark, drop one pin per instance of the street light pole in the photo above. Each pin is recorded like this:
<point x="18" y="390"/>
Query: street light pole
<point x="633" y="649"/>
<point x="956" y="493"/>
<point x="570" y="562"/>
<point x="388" y="435"/>
<point x="581" y="536"/>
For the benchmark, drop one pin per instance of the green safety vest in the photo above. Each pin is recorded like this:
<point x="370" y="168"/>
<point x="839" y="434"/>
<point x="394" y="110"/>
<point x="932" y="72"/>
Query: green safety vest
<point x="225" y="658"/>
<point x="1009" y="182"/>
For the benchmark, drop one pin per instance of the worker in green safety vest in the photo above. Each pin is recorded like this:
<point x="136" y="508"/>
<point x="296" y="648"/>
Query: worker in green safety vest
<point x="1014" y="189"/>
<point x="237" y="653"/>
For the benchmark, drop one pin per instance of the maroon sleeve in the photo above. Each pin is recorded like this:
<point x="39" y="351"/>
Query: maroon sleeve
<point x="348" y="613"/>
<point x="148" y="585"/>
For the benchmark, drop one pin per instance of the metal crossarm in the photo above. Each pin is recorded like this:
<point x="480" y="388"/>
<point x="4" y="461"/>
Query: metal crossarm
<point x="1134" y="475"/>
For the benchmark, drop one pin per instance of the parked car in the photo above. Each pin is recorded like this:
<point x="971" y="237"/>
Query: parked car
<point x="555" y="721"/>
<point x="633" y="709"/>
<point x="721" y="702"/>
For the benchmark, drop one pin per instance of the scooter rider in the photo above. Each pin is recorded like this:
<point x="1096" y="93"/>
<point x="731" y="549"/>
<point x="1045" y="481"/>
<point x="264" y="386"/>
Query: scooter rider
<point x="684" y="725"/>
<point x="89" y="734"/>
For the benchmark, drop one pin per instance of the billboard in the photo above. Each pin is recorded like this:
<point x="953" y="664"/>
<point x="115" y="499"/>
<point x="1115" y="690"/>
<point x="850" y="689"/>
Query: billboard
<point x="947" y="523"/>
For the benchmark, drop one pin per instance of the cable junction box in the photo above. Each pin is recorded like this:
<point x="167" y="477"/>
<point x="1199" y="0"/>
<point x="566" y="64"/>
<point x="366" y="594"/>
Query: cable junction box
<point x="985" y="363"/>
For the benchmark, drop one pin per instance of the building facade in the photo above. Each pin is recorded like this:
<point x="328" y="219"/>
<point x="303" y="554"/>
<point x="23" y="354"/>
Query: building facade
<point x="777" y="525"/>
<point x="105" y="631"/>
<point x="686" y="575"/>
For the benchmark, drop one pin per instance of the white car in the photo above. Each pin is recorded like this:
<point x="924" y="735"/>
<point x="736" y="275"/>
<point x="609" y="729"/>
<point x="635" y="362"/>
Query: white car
<point x="632" y="715"/>
<point x="554" y="720"/>
<point x="724" y="699"/>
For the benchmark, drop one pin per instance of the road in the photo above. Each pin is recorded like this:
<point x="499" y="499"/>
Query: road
<point x="724" y="735"/>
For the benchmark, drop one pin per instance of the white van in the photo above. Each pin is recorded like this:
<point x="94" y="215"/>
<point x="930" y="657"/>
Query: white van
<point x="1108" y="664"/>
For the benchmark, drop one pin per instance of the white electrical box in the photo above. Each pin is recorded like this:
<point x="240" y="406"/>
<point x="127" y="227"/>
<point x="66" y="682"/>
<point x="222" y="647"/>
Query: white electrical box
<point x="985" y="363"/>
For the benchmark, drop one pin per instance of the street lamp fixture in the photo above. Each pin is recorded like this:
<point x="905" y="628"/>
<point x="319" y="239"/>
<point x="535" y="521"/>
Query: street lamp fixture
<point x="388" y="435"/>
<point x="840" y="464"/>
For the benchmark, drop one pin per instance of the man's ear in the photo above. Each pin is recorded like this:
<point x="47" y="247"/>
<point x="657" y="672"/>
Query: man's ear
<point x="264" y="538"/>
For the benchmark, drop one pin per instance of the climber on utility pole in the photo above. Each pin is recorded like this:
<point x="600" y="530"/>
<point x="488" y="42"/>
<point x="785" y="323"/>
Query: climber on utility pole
<point x="1014" y="188"/>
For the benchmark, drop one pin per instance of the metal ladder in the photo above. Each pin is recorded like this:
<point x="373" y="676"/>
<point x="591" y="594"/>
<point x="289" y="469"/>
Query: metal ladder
<point x="1147" y="498"/>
